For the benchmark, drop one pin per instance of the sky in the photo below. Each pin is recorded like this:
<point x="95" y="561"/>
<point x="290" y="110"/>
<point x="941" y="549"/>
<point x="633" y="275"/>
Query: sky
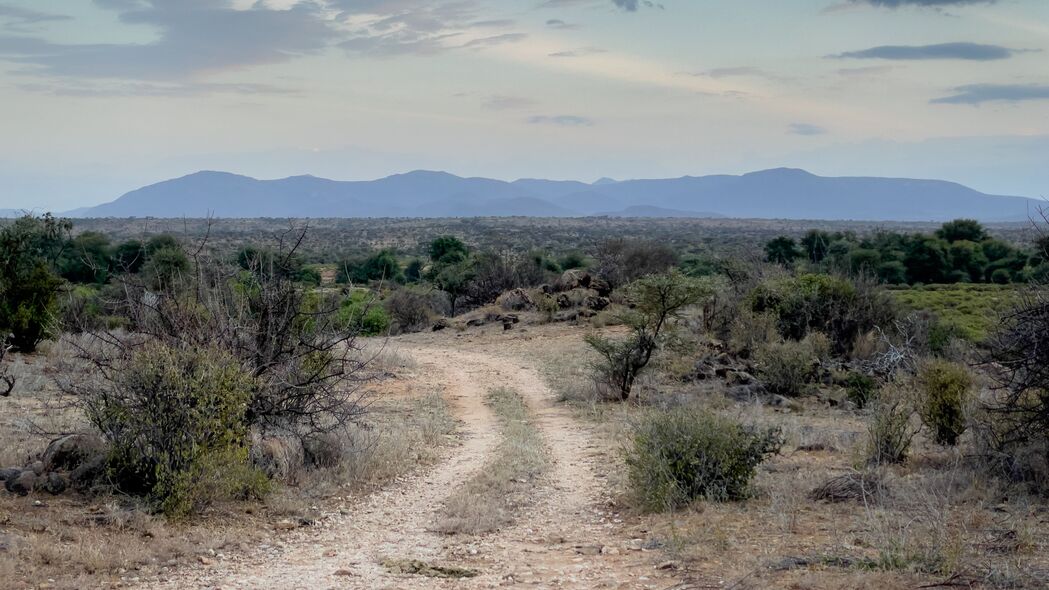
<point x="99" y="97"/>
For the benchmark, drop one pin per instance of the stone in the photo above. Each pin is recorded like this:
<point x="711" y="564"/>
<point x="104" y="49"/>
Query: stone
<point x="516" y="300"/>
<point x="8" y="473"/>
<point x="54" y="484"/>
<point x="71" y="451"/>
<point x="22" y="484"/>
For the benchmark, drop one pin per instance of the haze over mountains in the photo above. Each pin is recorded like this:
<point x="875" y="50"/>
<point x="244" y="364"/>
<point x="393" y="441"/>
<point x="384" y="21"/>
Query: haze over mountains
<point x="781" y="193"/>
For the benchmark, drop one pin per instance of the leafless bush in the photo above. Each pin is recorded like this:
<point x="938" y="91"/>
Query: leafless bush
<point x="305" y="363"/>
<point x="621" y="261"/>
<point x="7" y="380"/>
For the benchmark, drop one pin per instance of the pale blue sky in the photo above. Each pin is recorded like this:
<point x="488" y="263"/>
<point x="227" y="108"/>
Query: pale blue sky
<point x="102" y="96"/>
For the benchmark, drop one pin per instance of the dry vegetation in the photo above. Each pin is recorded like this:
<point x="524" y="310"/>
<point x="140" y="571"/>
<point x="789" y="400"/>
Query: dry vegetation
<point x="87" y="541"/>
<point x="493" y="497"/>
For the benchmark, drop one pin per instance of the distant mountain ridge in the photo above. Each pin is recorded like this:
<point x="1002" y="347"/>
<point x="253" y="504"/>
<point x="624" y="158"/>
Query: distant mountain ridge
<point x="781" y="193"/>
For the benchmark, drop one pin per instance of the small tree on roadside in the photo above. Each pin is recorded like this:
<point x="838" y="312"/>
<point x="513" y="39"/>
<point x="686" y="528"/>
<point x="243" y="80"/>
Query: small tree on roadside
<point x="658" y="301"/>
<point x="30" y="247"/>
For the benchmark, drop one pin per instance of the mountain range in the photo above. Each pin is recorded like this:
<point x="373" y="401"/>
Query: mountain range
<point x="781" y="193"/>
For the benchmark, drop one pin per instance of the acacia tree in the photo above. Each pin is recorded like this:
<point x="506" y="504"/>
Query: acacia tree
<point x="658" y="301"/>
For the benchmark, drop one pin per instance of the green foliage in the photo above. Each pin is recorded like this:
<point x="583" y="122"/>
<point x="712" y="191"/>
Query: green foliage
<point x="789" y="367"/>
<point x="967" y="311"/>
<point x="572" y="260"/>
<point x="686" y="454"/>
<point x="175" y="420"/>
<point x="658" y="300"/>
<point x="816" y="245"/>
<point x="29" y="249"/>
<point x="86" y="259"/>
<point x="840" y="308"/>
<point x="944" y="390"/>
<point x="380" y="266"/>
<point x="860" y="388"/>
<point x="362" y="313"/>
<point x="129" y="256"/>
<point x="968" y="230"/>
<point x="453" y="278"/>
<point x="782" y="250"/>
<point x="166" y="268"/>
<point x="447" y="250"/>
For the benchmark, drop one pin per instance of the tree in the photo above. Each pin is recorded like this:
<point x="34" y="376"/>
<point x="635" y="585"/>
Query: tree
<point x="129" y="256"/>
<point x="382" y="265"/>
<point x="927" y="260"/>
<point x="621" y="261"/>
<point x="782" y="250"/>
<point x="454" y="279"/>
<point x="87" y="259"/>
<point x="447" y="249"/>
<point x="968" y="258"/>
<point x="658" y="301"/>
<point x="962" y="229"/>
<point x="30" y="248"/>
<point x="816" y="245"/>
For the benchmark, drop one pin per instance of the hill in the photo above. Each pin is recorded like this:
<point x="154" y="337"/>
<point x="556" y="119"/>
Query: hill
<point x="781" y="193"/>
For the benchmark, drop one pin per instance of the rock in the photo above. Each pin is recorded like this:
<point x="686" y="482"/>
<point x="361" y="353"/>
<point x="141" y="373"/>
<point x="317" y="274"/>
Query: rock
<point x="6" y="474"/>
<point x="596" y="303"/>
<point x="564" y="301"/>
<point x="566" y="316"/>
<point x="601" y="286"/>
<point x="516" y="300"/>
<point x="440" y="325"/>
<point x="84" y="477"/>
<point x="343" y="573"/>
<point x="475" y="322"/>
<point x="740" y="378"/>
<point x="36" y="467"/>
<point x="589" y="549"/>
<point x="54" y="484"/>
<point x="286" y="525"/>
<point x="745" y="392"/>
<point x="204" y="560"/>
<point x="69" y="452"/>
<point x="574" y="279"/>
<point x="22" y="484"/>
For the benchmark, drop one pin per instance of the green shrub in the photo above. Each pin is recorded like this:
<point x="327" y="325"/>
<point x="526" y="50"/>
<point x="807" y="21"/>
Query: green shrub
<point x="686" y="454"/>
<point x="29" y="249"/>
<point x="175" y="420"/>
<point x="890" y="431"/>
<point x="789" y="367"/>
<point x="860" y="388"/>
<point x="362" y="313"/>
<point x="944" y="392"/>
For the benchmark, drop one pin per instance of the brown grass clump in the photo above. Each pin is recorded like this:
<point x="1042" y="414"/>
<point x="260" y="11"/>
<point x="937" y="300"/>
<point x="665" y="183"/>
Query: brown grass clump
<point x="489" y="500"/>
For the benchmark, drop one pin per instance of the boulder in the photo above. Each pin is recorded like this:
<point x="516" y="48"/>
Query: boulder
<point x="69" y="452"/>
<point x="53" y="484"/>
<point x="516" y="300"/>
<point x="574" y="279"/>
<point x="23" y="483"/>
<point x="90" y="472"/>
<point x="601" y="286"/>
<point x="475" y="322"/>
<point x="6" y="474"/>
<point x="564" y="301"/>
<point x="596" y="303"/>
<point x="440" y="325"/>
<point x="36" y="467"/>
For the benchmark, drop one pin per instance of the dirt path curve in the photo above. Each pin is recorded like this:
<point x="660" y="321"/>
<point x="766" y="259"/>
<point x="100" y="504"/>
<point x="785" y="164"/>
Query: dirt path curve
<point x="568" y="538"/>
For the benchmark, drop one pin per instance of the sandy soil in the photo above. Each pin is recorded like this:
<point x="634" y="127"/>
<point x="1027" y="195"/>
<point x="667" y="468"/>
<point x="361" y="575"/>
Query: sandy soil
<point x="570" y="537"/>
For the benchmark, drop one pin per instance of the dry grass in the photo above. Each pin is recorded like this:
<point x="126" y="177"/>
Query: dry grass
<point x="940" y="518"/>
<point x="73" y="541"/>
<point x="490" y="499"/>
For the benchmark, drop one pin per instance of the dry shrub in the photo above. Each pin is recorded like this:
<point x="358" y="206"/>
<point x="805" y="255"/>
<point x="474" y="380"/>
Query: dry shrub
<point x="944" y="395"/>
<point x="890" y="430"/>
<point x="686" y="454"/>
<point x="790" y="367"/>
<point x="750" y="331"/>
<point x="409" y="309"/>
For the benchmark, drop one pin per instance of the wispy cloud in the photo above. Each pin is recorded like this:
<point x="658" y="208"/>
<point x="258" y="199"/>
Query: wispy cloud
<point x="962" y="50"/>
<point x="922" y="3"/>
<point x="502" y="102"/>
<point x="556" y="23"/>
<point x="976" y="94"/>
<point x="581" y="52"/>
<point x="807" y="129"/>
<point x="18" y="19"/>
<point x="561" y="120"/>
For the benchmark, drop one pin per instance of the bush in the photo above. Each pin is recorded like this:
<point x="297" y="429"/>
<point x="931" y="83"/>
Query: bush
<point x="789" y="367"/>
<point x="749" y="331"/>
<point x="890" y="431"/>
<point x="175" y="420"/>
<point x="658" y="301"/>
<point x="944" y="392"/>
<point x="686" y="454"/>
<point x="361" y="313"/>
<point x="29" y="250"/>
<point x="839" y="307"/>
<point x="409" y="309"/>
<point x="860" y="388"/>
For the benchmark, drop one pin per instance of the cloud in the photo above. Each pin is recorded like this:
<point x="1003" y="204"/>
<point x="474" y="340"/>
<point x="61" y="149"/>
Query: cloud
<point x="865" y="71"/>
<point x="561" y="120"/>
<point x="556" y="23"/>
<point x="922" y="3"/>
<point x="194" y="37"/>
<point x="966" y="51"/>
<point x="17" y="17"/>
<point x="500" y="102"/>
<point x="170" y="90"/>
<point x="581" y="52"/>
<point x="807" y="129"/>
<point x="632" y="5"/>
<point x="976" y="94"/>
<point x="495" y="40"/>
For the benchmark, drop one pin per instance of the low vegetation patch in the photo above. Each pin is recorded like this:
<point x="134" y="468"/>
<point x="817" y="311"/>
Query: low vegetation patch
<point x="970" y="310"/>
<point x="489" y="500"/>
<point x="686" y="454"/>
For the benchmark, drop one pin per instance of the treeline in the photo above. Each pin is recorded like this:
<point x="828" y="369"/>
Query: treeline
<point x="961" y="251"/>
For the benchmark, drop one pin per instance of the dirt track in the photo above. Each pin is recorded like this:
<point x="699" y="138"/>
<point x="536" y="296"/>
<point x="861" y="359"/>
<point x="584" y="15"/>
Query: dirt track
<point x="569" y="538"/>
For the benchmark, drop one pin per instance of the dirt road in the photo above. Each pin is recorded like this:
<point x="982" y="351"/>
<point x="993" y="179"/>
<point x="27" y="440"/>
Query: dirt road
<point x="568" y="538"/>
